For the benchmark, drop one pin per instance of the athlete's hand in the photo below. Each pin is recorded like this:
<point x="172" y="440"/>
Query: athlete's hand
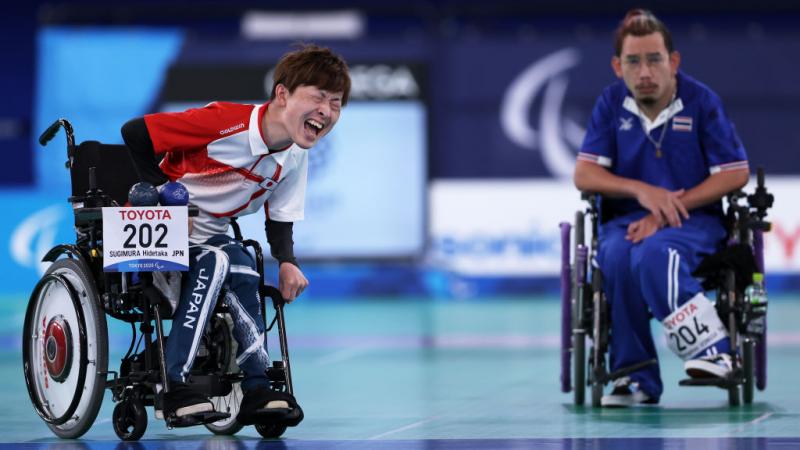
<point x="665" y="205"/>
<point x="291" y="281"/>
<point x="643" y="228"/>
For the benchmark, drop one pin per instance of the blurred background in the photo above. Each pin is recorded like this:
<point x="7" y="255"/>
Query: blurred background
<point x="431" y="237"/>
<point x="449" y="171"/>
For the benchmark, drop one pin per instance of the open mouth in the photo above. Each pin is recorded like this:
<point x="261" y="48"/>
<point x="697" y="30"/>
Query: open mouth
<point x="314" y="126"/>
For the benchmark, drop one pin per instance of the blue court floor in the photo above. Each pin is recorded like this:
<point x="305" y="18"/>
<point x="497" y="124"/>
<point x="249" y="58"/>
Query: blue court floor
<point x="427" y="374"/>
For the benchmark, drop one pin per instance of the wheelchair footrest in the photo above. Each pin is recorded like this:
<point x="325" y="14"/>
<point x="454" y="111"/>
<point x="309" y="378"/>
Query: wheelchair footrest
<point x="285" y="416"/>
<point x="723" y="383"/>
<point x="196" y="419"/>
<point x="625" y="371"/>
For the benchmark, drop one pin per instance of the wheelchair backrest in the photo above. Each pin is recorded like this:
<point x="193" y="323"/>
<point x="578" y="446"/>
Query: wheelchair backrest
<point x="114" y="169"/>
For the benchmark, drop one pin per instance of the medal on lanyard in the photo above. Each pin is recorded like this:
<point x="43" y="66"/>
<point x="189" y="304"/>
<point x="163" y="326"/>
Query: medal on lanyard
<point x="656" y="144"/>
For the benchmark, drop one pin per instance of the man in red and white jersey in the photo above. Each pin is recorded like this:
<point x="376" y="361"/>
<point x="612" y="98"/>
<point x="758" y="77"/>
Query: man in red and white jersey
<point x="237" y="159"/>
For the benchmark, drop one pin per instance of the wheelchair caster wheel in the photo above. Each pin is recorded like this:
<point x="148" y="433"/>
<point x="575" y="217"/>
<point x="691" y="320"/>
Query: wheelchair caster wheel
<point x="271" y="431"/>
<point x="129" y="419"/>
<point x="597" y="395"/>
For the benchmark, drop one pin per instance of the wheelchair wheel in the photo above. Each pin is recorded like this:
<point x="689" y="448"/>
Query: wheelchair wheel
<point x="733" y="395"/>
<point x="271" y="431"/>
<point x="579" y="360"/>
<point x="129" y="419"/>
<point x="748" y="357"/>
<point x="65" y="349"/>
<point x="597" y="394"/>
<point x="225" y="347"/>
<point x="579" y="366"/>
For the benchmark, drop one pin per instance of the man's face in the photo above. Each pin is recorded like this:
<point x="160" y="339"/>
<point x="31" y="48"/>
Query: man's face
<point x="647" y="68"/>
<point x="311" y="113"/>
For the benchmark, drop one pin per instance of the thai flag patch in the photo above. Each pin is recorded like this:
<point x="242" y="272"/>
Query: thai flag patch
<point x="682" y="123"/>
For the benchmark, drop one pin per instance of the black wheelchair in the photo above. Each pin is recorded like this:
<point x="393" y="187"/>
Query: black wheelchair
<point x="65" y="338"/>
<point x="585" y="312"/>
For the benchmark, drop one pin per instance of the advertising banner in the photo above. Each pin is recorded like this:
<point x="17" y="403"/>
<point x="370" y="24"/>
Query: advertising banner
<point x="495" y="228"/>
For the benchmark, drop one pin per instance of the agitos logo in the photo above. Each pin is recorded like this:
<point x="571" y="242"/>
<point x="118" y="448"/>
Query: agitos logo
<point x="556" y="137"/>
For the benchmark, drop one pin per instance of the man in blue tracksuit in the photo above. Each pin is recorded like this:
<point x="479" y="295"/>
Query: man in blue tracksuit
<point x="661" y="151"/>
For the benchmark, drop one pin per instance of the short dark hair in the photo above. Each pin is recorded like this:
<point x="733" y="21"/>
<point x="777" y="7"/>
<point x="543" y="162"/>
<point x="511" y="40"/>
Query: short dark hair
<point x="640" y="22"/>
<point x="312" y="65"/>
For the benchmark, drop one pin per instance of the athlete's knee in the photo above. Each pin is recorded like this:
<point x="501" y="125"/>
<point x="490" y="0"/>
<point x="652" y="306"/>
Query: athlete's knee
<point x="652" y="255"/>
<point x="211" y="262"/>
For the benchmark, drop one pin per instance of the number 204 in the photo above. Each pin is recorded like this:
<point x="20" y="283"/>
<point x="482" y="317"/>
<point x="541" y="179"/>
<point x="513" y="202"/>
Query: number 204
<point x="144" y="235"/>
<point x="685" y="335"/>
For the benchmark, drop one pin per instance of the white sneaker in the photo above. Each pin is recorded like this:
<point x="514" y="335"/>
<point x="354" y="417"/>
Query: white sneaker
<point x="625" y="393"/>
<point x="715" y="366"/>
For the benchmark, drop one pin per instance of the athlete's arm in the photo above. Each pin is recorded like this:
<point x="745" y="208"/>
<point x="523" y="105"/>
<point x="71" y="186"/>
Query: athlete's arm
<point x="715" y="187"/>
<point x="665" y="205"/>
<point x="709" y="191"/>
<point x="291" y="281"/>
<point x="137" y="138"/>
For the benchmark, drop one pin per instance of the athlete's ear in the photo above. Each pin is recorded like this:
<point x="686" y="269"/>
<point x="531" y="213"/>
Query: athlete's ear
<point x="616" y="65"/>
<point x="281" y="94"/>
<point x="674" y="61"/>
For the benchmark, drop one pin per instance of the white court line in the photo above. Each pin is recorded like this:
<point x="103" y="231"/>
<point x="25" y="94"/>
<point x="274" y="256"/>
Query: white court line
<point x="407" y="427"/>
<point x="757" y="420"/>
<point x="668" y="410"/>
<point x="761" y="418"/>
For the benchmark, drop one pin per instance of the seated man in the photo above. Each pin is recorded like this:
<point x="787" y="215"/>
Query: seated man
<point x="234" y="160"/>
<point x="661" y="151"/>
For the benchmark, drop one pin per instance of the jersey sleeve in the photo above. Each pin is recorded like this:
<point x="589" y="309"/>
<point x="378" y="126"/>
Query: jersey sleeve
<point x="722" y="146"/>
<point x="599" y="144"/>
<point x="287" y="202"/>
<point x="190" y="129"/>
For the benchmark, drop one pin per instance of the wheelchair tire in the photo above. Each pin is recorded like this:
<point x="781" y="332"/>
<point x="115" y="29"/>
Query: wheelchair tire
<point x="597" y="394"/>
<point x="272" y="431"/>
<point x="733" y="396"/>
<point x="65" y="349"/>
<point x="577" y="281"/>
<point x="129" y="419"/>
<point x="748" y="383"/>
<point x="222" y="325"/>
<point x="579" y="367"/>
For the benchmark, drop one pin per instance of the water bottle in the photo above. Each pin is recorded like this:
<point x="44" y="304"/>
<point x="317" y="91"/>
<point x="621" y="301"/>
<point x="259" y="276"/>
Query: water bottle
<point x="756" y="297"/>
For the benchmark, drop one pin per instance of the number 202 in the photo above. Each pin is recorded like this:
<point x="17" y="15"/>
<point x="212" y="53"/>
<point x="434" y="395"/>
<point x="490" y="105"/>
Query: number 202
<point x="145" y="233"/>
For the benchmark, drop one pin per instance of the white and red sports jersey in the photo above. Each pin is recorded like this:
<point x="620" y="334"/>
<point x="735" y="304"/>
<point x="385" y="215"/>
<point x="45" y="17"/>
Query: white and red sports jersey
<point x="219" y="154"/>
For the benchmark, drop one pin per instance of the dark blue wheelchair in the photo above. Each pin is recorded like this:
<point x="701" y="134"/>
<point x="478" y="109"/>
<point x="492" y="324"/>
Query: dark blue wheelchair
<point x="585" y="312"/>
<point x="65" y="337"/>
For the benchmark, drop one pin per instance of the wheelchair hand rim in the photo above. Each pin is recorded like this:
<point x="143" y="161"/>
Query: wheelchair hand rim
<point x="55" y="304"/>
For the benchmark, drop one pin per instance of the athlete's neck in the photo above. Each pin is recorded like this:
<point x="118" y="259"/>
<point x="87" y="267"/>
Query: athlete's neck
<point x="273" y="131"/>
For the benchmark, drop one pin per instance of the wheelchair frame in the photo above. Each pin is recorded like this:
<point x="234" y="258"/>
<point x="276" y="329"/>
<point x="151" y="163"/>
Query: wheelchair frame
<point x="141" y="379"/>
<point x="585" y="310"/>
